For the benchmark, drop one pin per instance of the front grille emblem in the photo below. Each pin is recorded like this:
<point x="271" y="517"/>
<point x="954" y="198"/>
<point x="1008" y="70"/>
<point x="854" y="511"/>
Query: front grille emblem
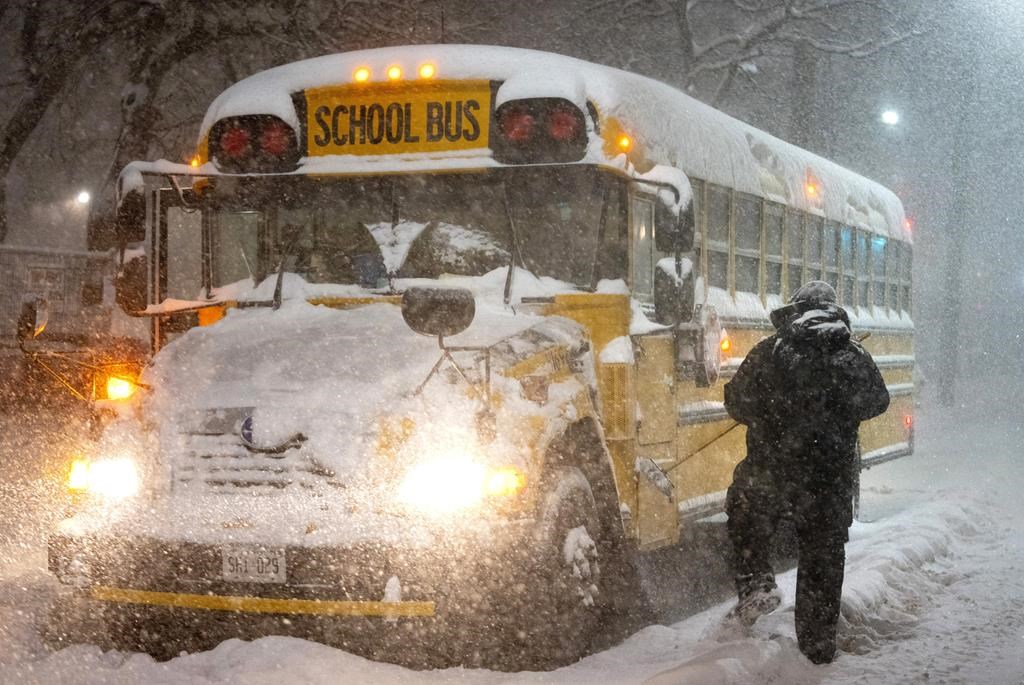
<point x="246" y="432"/>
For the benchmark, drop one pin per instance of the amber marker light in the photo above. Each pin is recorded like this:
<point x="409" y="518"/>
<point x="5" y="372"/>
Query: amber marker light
<point x="427" y="71"/>
<point x="726" y="344"/>
<point x="361" y="75"/>
<point x="119" y="388"/>
<point x="624" y="142"/>
<point x="194" y="163"/>
<point x="394" y="73"/>
<point x="812" y="189"/>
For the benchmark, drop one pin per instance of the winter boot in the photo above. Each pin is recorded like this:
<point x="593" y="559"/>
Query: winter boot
<point x="754" y="604"/>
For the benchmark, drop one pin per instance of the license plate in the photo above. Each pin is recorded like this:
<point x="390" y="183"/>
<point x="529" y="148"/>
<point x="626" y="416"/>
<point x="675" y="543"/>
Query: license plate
<point x="253" y="565"/>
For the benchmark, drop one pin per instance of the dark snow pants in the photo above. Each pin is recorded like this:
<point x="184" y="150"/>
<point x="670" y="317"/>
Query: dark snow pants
<point x="756" y="505"/>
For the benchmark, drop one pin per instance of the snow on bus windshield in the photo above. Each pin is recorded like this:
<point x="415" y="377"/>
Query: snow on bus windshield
<point x="367" y="230"/>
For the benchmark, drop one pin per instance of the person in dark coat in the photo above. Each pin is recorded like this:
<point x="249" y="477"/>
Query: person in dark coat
<point x="802" y="394"/>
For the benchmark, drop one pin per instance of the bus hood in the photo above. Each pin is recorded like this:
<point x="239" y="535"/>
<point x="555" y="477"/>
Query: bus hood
<point x="261" y="382"/>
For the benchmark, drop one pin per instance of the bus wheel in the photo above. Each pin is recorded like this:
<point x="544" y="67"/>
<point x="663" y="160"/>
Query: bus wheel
<point x="563" y="614"/>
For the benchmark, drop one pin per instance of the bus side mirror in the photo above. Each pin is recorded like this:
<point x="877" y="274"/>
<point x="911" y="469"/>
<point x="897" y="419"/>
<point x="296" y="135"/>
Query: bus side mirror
<point x="439" y="312"/>
<point x="674" y="233"/>
<point x="673" y="291"/>
<point x="130" y="225"/>
<point x="35" y="314"/>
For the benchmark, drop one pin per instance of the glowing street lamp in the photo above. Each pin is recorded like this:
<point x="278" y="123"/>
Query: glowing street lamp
<point x="890" y="117"/>
<point x="83" y="197"/>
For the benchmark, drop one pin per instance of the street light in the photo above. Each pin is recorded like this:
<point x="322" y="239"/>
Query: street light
<point x="890" y="117"/>
<point x="83" y="197"/>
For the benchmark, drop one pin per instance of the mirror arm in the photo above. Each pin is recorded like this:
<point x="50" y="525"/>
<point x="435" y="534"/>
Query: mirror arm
<point x="185" y="204"/>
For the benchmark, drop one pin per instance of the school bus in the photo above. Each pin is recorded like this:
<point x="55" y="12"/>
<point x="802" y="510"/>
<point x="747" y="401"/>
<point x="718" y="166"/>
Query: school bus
<point x="439" y="335"/>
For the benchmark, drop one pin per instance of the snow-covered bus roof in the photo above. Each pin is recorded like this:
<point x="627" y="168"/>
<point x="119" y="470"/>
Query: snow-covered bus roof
<point x="670" y="128"/>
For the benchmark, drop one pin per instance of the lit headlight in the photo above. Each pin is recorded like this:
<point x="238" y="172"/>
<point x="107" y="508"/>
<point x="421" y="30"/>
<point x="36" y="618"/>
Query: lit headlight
<point x="448" y="485"/>
<point x="115" y="478"/>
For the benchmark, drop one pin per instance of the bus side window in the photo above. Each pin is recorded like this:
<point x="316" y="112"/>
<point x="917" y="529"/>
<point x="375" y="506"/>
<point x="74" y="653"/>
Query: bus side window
<point x="718" y="236"/>
<point x="748" y="243"/>
<point x="794" y="252"/>
<point x="878" y="252"/>
<point x="905" y="278"/>
<point x="892" y="260"/>
<point x="847" y="266"/>
<point x="830" y="254"/>
<point x="643" y="247"/>
<point x="863" y="272"/>
<point x="773" y="216"/>
<point x="815" y="230"/>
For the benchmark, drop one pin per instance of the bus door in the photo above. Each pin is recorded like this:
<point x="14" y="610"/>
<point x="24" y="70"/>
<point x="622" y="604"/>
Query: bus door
<point x="176" y="262"/>
<point x="657" y="520"/>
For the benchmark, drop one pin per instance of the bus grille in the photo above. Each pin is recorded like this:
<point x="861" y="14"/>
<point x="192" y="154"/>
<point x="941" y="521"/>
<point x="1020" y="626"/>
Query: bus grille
<point x="221" y="463"/>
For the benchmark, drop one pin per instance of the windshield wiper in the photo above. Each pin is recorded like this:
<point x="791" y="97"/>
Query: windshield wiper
<point x="280" y="280"/>
<point x="515" y="243"/>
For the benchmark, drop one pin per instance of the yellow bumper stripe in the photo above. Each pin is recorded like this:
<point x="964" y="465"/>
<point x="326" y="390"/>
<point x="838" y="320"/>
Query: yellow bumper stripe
<point x="264" y="605"/>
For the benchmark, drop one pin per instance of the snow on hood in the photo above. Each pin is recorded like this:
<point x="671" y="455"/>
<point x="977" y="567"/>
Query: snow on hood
<point x="324" y="374"/>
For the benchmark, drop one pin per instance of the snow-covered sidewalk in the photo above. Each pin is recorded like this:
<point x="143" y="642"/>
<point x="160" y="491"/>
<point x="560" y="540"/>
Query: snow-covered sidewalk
<point x="934" y="593"/>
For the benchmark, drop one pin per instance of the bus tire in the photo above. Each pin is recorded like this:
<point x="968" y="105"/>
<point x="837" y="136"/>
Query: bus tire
<point x="562" y="611"/>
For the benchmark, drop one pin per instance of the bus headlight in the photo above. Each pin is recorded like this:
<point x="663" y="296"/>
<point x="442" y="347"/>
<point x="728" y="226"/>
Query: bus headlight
<point x="448" y="485"/>
<point x="116" y="478"/>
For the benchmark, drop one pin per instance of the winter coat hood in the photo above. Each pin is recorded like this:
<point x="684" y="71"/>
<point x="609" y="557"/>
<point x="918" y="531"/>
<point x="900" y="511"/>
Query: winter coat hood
<point x="812" y="316"/>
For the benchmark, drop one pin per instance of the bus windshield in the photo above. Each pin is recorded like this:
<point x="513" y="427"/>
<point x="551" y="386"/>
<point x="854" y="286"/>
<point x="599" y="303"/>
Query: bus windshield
<point x="364" y="231"/>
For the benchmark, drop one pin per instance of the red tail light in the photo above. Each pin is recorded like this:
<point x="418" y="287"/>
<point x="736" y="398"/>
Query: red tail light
<point x="234" y="142"/>
<point x="564" y="124"/>
<point x="516" y="124"/>
<point x="275" y="138"/>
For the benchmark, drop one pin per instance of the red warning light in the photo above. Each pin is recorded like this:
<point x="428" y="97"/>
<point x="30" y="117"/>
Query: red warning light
<point x="235" y="142"/>
<point x="275" y="138"/>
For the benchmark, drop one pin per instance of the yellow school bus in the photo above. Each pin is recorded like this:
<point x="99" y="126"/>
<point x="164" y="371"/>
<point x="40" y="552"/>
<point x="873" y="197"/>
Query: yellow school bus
<point x="439" y="335"/>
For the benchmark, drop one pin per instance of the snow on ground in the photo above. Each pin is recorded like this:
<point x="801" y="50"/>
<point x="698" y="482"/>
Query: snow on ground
<point x="934" y="591"/>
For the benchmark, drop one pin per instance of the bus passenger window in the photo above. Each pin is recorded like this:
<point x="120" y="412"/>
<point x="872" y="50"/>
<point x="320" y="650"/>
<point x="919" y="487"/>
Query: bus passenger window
<point x="718" y="237"/>
<point x="878" y="251"/>
<point x="643" y="241"/>
<point x="905" y="279"/>
<point x="830" y="255"/>
<point x="892" y="261"/>
<point x="794" y="252"/>
<point x="815" y="228"/>
<point x="748" y="244"/>
<point x="848" y="266"/>
<point x="773" y="249"/>
<point x="863" y="272"/>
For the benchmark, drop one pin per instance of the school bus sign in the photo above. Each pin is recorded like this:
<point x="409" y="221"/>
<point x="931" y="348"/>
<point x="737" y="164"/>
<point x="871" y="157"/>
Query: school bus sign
<point x="407" y="118"/>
